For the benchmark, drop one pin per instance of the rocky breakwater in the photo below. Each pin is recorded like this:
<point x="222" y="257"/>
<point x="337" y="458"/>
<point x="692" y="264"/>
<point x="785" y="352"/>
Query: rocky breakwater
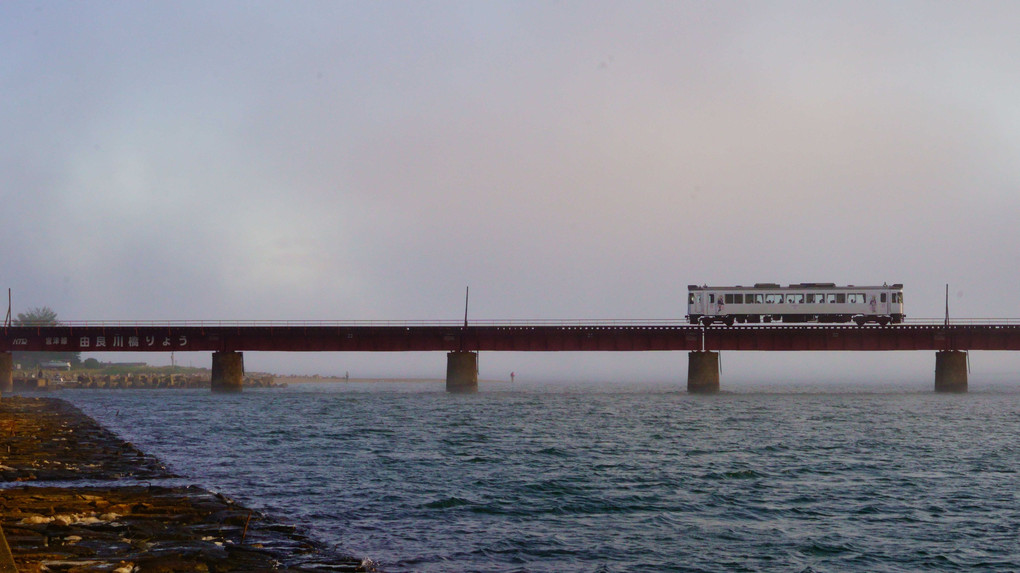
<point x="134" y="524"/>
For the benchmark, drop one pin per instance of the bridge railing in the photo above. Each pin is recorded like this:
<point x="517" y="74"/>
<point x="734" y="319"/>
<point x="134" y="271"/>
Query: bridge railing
<point x="962" y="321"/>
<point x="355" y="323"/>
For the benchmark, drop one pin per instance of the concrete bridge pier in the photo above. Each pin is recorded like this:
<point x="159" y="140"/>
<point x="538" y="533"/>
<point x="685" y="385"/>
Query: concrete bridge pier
<point x="227" y="371"/>
<point x="462" y="372"/>
<point x="703" y="372"/>
<point x="6" y="372"/>
<point x="951" y="371"/>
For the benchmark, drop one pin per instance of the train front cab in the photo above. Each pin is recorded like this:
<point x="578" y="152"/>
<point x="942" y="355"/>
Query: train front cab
<point x="706" y="307"/>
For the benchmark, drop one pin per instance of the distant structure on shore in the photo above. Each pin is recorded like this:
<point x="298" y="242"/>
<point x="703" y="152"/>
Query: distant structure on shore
<point x="55" y="365"/>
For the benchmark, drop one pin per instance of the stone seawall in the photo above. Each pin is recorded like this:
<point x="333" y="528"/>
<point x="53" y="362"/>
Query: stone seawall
<point x="132" y="525"/>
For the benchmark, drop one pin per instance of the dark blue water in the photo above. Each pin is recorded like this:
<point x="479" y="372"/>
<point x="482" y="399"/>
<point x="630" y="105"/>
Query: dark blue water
<point x="598" y="478"/>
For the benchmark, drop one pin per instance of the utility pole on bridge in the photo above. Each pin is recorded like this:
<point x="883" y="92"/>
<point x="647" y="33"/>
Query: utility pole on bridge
<point x="462" y="365"/>
<point x="950" y="364"/>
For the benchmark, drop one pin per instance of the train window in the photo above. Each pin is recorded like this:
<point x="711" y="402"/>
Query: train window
<point x="795" y="298"/>
<point x="773" y="298"/>
<point x="734" y="299"/>
<point x="690" y="298"/>
<point x="840" y="298"/>
<point x="711" y="298"/>
<point x="759" y="299"/>
<point x="882" y="297"/>
<point x="856" y="298"/>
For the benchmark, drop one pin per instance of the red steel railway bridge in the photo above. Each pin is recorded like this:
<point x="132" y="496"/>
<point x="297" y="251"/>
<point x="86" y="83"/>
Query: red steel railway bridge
<point x="228" y="340"/>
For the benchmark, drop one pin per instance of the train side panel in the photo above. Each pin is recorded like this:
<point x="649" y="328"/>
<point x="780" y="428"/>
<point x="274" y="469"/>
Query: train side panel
<point x="808" y="302"/>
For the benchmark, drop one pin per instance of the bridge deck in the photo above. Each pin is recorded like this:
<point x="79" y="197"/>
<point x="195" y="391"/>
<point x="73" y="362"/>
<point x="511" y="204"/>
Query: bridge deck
<point x="544" y="337"/>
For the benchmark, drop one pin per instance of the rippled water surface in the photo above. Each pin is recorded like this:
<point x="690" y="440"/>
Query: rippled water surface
<point x="604" y="478"/>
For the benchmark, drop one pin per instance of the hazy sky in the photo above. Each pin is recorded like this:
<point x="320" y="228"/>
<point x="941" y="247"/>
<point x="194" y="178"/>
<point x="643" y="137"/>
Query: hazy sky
<point x="574" y="160"/>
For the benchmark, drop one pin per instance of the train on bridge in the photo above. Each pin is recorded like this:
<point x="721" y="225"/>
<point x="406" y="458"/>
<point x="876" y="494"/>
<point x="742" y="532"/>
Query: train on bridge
<point x="795" y="303"/>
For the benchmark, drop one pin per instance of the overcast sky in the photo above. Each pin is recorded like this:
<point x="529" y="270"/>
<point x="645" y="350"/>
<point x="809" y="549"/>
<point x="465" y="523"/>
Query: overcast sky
<point x="566" y="160"/>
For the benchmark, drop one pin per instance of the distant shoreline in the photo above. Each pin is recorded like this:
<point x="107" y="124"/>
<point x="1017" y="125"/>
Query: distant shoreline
<point x="139" y="376"/>
<point x="341" y="380"/>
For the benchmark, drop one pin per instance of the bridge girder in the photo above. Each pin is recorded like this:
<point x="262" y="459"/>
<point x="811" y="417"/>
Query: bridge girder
<point x="545" y="338"/>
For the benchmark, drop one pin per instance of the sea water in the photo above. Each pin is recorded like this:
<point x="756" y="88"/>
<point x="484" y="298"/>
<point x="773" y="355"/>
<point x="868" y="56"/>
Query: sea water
<point x="606" y="478"/>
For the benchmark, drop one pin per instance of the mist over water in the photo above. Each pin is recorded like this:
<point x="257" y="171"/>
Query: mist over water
<point x="607" y="477"/>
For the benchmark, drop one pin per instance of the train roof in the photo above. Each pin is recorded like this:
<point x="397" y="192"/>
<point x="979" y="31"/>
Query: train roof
<point x="797" y="286"/>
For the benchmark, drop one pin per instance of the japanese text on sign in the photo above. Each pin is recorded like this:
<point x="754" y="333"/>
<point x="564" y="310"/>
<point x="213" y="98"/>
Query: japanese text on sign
<point x="116" y="341"/>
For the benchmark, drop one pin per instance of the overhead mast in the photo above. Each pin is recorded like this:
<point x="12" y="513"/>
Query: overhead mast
<point x="947" y="305"/>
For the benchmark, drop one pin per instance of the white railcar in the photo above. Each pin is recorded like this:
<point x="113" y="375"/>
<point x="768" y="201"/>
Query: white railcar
<point x="803" y="302"/>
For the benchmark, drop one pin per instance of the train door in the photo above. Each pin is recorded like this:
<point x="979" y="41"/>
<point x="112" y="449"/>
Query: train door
<point x="695" y="303"/>
<point x="884" y="303"/>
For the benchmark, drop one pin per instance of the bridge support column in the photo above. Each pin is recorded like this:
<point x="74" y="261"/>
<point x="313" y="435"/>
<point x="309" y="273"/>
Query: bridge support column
<point x="703" y="372"/>
<point x="951" y="371"/>
<point x="227" y="371"/>
<point x="6" y="372"/>
<point x="462" y="372"/>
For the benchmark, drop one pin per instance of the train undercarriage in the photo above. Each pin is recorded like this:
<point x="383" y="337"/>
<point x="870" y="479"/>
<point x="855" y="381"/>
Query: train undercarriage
<point x="859" y="319"/>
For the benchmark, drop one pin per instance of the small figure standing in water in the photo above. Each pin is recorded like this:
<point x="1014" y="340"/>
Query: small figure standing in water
<point x="512" y="377"/>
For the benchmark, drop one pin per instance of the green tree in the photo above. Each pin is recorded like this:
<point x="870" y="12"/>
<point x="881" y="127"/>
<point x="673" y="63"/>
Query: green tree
<point x="41" y="316"/>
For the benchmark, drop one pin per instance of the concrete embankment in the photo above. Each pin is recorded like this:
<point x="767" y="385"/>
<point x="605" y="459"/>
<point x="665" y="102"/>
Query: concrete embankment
<point x="79" y="523"/>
